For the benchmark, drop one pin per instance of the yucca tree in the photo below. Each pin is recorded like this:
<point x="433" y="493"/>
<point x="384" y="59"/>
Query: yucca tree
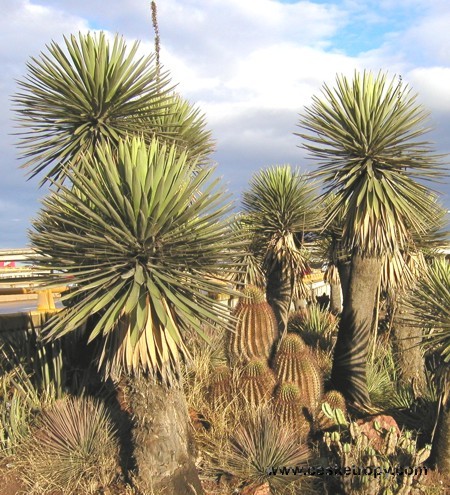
<point x="141" y="231"/>
<point x="366" y="135"/>
<point x="92" y="91"/>
<point x="251" y="257"/>
<point x="281" y="208"/>
<point x="429" y="304"/>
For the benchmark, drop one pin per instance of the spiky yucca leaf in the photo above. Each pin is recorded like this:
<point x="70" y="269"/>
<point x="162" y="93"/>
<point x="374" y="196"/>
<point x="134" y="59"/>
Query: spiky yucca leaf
<point x="185" y="125"/>
<point x="137" y="238"/>
<point x="251" y="259"/>
<point x="366" y="134"/>
<point x="280" y="204"/>
<point x="316" y="326"/>
<point x="91" y="91"/>
<point x="430" y="307"/>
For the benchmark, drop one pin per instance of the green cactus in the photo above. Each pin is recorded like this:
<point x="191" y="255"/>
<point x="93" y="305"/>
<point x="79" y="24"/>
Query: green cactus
<point x="294" y="363"/>
<point x="336" y="400"/>
<point x="220" y="387"/>
<point x="257" y="382"/>
<point x="256" y="328"/>
<point x="288" y="408"/>
<point x="389" y="449"/>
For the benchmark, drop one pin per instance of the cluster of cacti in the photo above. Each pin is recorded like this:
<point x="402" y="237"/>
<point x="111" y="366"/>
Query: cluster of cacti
<point x="256" y="382"/>
<point x="220" y="387"/>
<point x="288" y="406"/>
<point x="294" y="363"/>
<point x="255" y="330"/>
<point x="249" y="348"/>
<point x="394" y="459"/>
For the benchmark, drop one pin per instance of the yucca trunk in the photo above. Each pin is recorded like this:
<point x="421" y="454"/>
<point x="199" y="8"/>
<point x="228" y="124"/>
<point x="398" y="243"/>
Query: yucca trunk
<point x="279" y="294"/>
<point x="441" y="443"/>
<point x="335" y="298"/>
<point x="350" y="355"/>
<point x="163" y="448"/>
<point x="344" y="268"/>
<point x="406" y="343"/>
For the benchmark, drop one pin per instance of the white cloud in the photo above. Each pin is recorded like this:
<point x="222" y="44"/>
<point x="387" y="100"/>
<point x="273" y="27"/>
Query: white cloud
<point x="433" y="86"/>
<point x="251" y="65"/>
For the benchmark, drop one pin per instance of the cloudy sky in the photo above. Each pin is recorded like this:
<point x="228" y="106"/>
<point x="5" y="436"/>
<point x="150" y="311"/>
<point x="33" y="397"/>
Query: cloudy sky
<point x="250" y="65"/>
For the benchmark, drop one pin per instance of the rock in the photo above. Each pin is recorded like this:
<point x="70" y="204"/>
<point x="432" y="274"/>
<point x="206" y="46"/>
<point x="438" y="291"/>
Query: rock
<point x="375" y="437"/>
<point x="257" y="489"/>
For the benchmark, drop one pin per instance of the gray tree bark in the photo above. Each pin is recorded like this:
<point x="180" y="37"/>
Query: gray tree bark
<point x="279" y="295"/>
<point x="335" y="299"/>
<point x="163" y="445"/>
<point x="441" y="443"/>
<point x="406" y="340"/>
<point x="350" y="356"/>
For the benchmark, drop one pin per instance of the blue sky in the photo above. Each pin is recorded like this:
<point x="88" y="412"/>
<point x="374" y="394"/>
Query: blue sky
<point x="250" y="65"/>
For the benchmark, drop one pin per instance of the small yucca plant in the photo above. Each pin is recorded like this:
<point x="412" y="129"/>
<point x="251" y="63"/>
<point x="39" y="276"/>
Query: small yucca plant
<point x="259" y="444"/>
<point x="317" y="327"/>
<point x="73" y="448"/>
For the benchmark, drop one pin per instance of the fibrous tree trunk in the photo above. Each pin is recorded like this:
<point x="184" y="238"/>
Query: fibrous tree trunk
<point x="441" y="441"/>
<point x="163" y="446"/>
<point x="344" y="268"/>
<point x="335" y="298"/>
<point x="406" y="344"/>
<point x="351" y="351"/>
<point x="279" y="294"/>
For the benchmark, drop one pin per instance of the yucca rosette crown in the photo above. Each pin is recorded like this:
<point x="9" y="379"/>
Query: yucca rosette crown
<point x="93" y="91"/>
<point x="429" y="302"/>
<point x="366" y="135"/>
<point x="281" y="206"/>
<point x="142" y="237"/>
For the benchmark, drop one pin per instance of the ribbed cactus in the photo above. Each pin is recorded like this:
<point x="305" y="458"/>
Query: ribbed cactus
<point x="256" y="382"/>
<point x="288" y="408"/>
<point x="324" y="360"/>
<point x="336" y="400"/>
<point x="294" y="363"/>
<point x="220" y="387"/>
<point x="256" y="328"/>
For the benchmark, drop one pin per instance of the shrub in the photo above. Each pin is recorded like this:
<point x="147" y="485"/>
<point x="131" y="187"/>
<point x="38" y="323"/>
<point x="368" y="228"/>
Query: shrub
<point x="73" y="448"/>
<point x="259" y="444"/>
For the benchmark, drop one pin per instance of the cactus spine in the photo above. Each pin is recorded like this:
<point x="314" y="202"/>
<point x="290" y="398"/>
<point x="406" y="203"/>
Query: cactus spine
<point x="257" y="381"/>
<point x="294" y="363"/>
<point x="288" y="408"/>
<point x="220" y="386"/>
<point x="255" y="330"/>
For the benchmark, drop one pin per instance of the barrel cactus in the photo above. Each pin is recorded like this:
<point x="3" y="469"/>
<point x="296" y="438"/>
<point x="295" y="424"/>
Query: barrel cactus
<point x="288" y="407"/>
<point x="294" y="363"/>
<point x="255" y="330"/>
<point x="220" y="386"/>
<point x="257" y="382"/>
<point x="336" y="400"/>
